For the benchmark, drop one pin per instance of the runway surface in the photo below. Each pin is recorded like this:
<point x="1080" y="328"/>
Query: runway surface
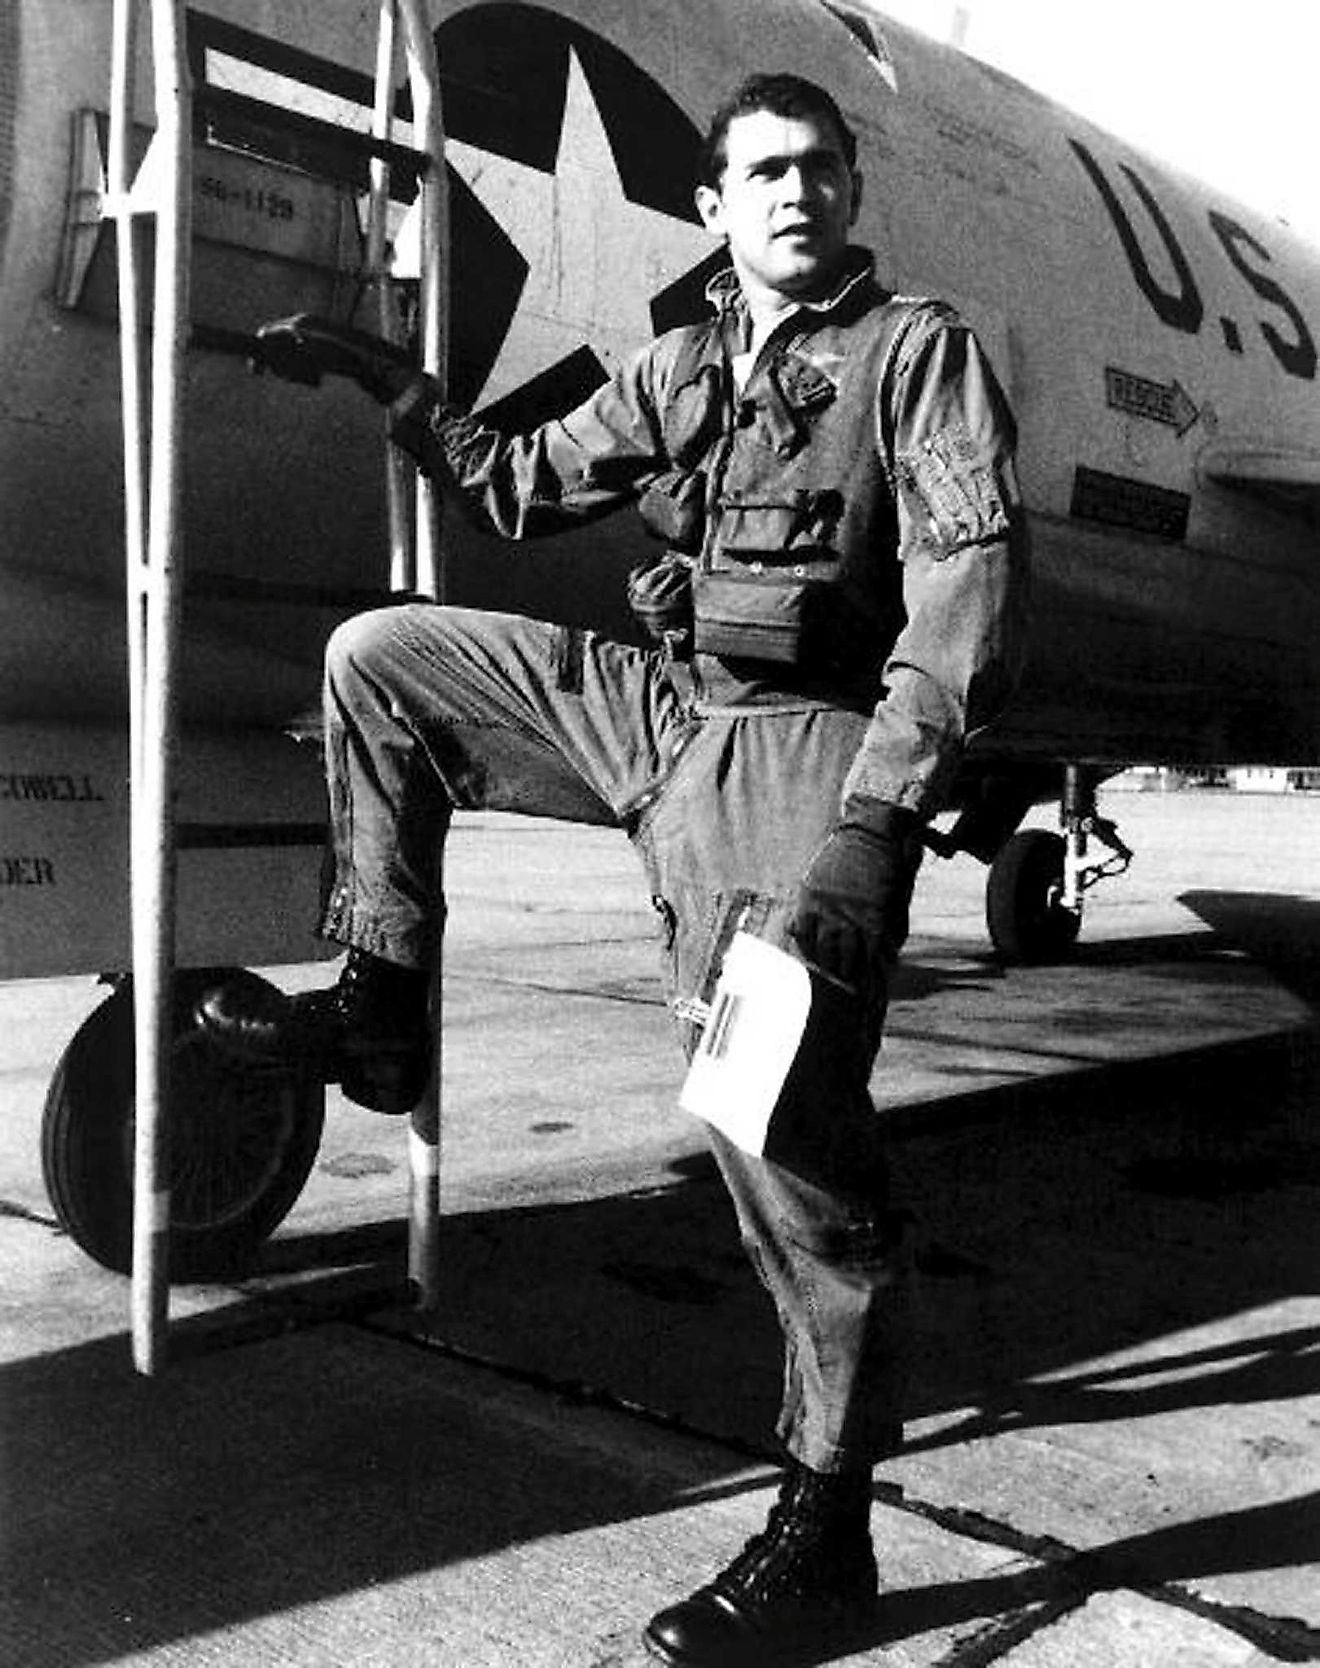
<point x="1113" y="1450"/>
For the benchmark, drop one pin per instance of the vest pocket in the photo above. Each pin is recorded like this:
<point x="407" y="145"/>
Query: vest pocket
<point x="817" y="625"/>
<point x="751" y="616"/>
<point x="799" y="528"/>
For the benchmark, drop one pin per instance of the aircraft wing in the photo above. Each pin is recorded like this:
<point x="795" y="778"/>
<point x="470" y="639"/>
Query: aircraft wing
<point x="1288" y="474"/>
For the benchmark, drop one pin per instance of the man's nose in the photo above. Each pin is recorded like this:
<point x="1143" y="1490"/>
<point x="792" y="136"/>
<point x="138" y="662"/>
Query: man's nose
<point x="797" y="183"/>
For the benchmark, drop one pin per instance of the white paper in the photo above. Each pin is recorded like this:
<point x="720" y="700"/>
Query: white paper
<point x="757" y="1017"/>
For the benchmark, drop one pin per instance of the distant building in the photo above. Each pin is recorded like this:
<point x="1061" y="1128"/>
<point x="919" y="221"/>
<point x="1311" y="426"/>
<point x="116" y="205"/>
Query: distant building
<point x="1276" y="778"/>
<point x="1169" y="778"/>
<point x="1240" y="778"/>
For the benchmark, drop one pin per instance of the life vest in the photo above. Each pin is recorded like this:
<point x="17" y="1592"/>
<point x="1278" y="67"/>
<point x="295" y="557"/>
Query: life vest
<point x="781" y="501"/>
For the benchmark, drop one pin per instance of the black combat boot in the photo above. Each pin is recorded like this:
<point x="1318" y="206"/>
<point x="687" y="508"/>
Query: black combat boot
<point x="370" y="1032"/>
<point x="807" y="1581"/>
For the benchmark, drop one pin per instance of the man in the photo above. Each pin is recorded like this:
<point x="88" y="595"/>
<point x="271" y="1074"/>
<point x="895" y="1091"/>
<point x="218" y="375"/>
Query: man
<point x="838" y="608"/>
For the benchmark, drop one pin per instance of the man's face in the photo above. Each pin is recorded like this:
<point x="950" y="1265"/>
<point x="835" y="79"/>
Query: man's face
<point x="786" y="204"/>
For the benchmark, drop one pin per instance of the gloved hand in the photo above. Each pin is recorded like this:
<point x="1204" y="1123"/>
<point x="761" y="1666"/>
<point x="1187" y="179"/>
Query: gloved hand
<point x="305" y="348"/>
<point x="851" y="914"/>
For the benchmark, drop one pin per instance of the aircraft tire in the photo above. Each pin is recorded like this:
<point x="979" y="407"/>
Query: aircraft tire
<point x="242" y="1143"/>
<point x="1028" y="924"/>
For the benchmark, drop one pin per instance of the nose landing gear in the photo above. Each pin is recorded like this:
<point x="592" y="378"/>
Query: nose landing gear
<point x="1033" y="899"/>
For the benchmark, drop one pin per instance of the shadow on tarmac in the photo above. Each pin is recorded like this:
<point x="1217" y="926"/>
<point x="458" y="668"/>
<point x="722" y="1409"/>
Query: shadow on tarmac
<point x="270" y="1479"/>
<point x="1260" y="1538"/>
<point x="1076" y="1216"/>
<point x="1065" y="1220"/>
<point x="1278" y="932"/>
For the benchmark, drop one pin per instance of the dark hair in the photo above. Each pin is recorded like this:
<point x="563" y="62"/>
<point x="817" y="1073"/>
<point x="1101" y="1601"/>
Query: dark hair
<point x="781" y="95"/>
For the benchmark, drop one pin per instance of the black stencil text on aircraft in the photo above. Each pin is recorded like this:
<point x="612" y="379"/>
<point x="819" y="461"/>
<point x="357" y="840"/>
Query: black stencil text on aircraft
<point x="1181" y="305"/>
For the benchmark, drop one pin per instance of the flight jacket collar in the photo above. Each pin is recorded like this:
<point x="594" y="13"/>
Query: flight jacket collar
<point x="725" y="293"/>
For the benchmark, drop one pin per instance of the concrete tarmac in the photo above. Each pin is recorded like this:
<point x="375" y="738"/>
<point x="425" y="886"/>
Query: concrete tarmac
<point x="1113" y="1455"/>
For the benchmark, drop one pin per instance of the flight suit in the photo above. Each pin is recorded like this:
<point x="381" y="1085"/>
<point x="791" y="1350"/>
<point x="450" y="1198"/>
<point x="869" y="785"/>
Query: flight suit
<point x="840" y="606"/>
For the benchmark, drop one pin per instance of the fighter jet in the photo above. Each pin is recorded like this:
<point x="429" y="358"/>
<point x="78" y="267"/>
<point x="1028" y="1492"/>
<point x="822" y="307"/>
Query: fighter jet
<point x="1157" y="339"/>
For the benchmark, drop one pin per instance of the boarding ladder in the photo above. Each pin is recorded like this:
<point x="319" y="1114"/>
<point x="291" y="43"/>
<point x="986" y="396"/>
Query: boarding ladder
<point x="152" y="410"/>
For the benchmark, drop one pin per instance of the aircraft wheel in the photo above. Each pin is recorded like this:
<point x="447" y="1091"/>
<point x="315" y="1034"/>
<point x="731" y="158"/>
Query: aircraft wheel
<point x="1028" y="923"/>
<point x="242" y="1142"/>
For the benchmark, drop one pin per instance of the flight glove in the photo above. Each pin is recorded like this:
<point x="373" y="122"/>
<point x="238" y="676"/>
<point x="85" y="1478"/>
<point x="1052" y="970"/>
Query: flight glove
<point x="305" y="348"/>
<point x="850" y="917"/>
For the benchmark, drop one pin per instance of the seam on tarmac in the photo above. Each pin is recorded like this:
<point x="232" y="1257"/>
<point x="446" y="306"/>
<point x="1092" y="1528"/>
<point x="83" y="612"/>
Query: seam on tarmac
<point x="1067" y="1576"/>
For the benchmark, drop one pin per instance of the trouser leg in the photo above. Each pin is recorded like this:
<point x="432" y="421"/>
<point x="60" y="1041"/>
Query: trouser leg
<point x="727" y="843"/>
<point x="389" y="809"/>
<point x="836" y="1269"/>
<point x="430" y="708"/>
<point x="815" y="1216"/>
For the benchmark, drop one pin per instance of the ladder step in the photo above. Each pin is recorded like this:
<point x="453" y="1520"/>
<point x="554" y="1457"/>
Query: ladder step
<point x="309" y="142"/>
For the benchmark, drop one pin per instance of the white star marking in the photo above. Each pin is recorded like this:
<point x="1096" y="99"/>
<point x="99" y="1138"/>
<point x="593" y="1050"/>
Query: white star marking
<point x="595" y="260"/>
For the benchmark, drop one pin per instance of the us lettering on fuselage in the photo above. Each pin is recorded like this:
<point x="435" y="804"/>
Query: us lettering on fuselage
<point x="1183" y="308"/>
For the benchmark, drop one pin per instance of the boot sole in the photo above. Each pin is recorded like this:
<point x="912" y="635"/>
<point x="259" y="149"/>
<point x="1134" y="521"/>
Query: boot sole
<point x="389" y="1079"/>
<point x="383" y="1084"/>
<point x="818" y="1643"/>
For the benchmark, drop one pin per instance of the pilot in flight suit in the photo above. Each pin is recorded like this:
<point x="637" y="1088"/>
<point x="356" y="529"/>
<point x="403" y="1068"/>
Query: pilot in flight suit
<point x="837" y="604"/>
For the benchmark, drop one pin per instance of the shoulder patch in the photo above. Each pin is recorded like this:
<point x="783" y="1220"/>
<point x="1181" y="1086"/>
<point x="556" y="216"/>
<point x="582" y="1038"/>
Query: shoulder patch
<point x="953" y="481"/>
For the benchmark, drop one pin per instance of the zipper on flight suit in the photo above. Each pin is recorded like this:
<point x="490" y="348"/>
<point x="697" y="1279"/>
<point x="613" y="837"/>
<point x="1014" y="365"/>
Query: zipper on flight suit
<point x="733" y="399"/>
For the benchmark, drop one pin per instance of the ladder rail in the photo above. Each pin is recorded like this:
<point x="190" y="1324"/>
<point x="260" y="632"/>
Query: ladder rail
<point x="429" y="137"/>
<point x="153" y="418"/>
<point x="424" y="1147"/>
<point x="153" y="457"/>
<point x="403" y="576"/>
<point x="128" y="251"/>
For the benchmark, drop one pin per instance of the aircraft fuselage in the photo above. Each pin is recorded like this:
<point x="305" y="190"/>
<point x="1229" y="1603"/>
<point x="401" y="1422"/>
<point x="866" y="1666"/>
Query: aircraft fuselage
<point x="1158" y="341"/>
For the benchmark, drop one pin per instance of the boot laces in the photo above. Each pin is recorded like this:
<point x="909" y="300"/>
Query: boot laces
<point x="353" y="983"/>
<point x="377" y="996"/>
<point x="815" y="1546"/>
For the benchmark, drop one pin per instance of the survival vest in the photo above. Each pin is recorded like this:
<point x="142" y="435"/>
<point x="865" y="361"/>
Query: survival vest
<point x="779" y="511"/>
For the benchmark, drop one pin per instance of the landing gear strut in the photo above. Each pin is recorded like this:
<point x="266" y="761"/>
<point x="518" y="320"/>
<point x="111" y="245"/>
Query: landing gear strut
<point x="1033" y="900"/>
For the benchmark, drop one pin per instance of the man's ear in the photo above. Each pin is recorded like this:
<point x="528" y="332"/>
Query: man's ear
<point x="710" y="206"/>
<point x="856" y="197"/>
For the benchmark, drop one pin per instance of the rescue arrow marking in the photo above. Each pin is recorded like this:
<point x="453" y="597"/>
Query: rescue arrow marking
<point x="1162" y="402"/>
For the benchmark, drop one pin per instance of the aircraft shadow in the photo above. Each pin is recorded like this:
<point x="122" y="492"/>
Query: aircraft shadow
<point x="1277" y="931"/>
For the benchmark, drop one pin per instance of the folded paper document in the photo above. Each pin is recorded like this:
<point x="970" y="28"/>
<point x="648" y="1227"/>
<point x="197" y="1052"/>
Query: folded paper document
<point x="755" y="1024"/>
